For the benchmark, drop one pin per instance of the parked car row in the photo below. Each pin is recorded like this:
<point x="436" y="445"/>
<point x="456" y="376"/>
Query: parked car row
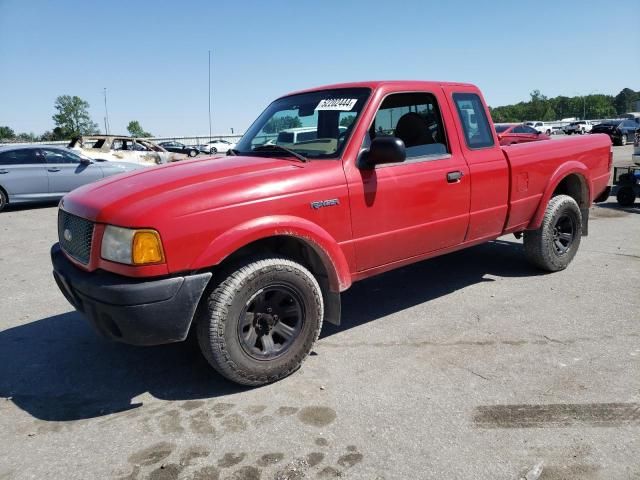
<point x="43" y="173"/>
<point x="621" y="131"/>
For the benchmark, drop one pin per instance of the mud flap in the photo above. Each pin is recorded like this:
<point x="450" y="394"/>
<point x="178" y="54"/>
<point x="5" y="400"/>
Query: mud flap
<point x="585" y="221"/>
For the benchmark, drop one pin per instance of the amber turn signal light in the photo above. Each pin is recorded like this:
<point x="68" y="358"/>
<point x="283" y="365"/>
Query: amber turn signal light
<point x="147" y="248"/>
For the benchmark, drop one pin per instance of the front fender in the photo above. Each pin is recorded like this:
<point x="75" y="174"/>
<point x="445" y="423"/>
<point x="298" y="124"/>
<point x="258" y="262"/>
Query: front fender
<point x="313" y="235"/>
<point x="566" y="169"/>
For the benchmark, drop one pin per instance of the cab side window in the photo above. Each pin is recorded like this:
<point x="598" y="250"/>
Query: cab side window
<point x="477" y="131"/>
<point x="519" y="129"/>
<point x="415" y="119"/>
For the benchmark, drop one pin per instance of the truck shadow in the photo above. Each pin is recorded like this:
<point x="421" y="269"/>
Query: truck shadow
<point x="58" y="369"/>
<point x="406" y="287"/>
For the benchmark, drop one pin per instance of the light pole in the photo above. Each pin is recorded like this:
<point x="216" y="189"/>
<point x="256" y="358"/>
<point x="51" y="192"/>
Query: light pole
<point x="106" y="113"/>
<point x="209" y="95"/>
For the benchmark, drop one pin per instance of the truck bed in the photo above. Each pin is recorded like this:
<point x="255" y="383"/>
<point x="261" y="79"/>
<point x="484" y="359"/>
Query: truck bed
<point x="533" y="164"/>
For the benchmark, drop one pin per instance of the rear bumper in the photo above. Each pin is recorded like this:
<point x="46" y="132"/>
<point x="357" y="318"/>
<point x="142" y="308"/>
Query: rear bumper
<point x="134" y="311"/>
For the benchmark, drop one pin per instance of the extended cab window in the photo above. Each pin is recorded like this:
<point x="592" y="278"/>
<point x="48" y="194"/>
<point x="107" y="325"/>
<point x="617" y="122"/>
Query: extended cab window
<point x="415" y="119"/>
<point x="477" y="131"/>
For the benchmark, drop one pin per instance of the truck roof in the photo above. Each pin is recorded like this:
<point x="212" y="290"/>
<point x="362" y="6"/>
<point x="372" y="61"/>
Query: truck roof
<point x="373" y="84"/>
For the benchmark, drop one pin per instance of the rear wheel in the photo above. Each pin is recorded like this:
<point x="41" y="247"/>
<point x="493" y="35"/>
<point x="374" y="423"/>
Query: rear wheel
<point x="3" y="200"/>
<point x="261" y="322"/>
<point x="213" y="150"/>
<point x="555" y="243"/>
<point x="193" y="153"/>
<point x="626" y="196"/>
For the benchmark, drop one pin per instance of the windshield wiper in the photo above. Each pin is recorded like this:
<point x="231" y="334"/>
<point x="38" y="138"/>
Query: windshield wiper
<point x="284" y="149"/>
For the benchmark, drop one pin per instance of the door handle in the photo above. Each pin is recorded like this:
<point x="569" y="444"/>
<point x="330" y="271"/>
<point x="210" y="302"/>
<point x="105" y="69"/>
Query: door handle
<point x="3" y="171"/>
<point x="453" y="177"/>
<point x="53" y="169"/>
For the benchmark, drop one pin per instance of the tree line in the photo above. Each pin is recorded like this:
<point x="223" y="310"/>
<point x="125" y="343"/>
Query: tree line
<point x="540" y="107"/>
<point x="71" y="120"/>
<point x="72" y="117"/>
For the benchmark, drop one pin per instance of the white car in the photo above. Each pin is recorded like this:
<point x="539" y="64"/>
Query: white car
<point x="580" y="127"/>
<point x="216" y="146"/>
<point x="540" y="127"/>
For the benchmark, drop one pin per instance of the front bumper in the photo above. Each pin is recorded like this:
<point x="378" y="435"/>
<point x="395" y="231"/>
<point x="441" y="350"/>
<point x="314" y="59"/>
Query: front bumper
<point x="134" y="311"/>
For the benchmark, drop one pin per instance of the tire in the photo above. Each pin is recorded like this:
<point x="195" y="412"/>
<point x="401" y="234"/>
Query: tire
<point x="623" y="140"/>
<point x="548" y="133"/>
<point x="626" y="196"/>
<point x="193" y="153"/>
<point x="555" y="243"/>
<point x="213" y="150"/>
<point x="569" y="132"/>
<point x="239" y="330"/>
<point x="3" y="199"/>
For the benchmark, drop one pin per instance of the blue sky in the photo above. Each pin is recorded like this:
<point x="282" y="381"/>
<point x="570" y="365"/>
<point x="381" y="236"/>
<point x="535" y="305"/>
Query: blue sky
<point x="152" y="56"/>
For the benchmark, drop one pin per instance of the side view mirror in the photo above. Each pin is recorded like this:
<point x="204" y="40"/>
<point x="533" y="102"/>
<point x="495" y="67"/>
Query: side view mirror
<point x="382" y="150"/>
<point x="86" y="161"/>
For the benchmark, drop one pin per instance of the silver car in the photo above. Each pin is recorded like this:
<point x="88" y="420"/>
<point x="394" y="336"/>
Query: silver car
<point x="41" y="173"/>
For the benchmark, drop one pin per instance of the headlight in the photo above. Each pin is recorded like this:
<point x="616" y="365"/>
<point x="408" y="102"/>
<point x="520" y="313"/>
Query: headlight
<point x="130" y="246"/>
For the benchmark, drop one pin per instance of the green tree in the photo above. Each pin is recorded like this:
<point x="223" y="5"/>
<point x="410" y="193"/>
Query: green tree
<point x="135" y="130"/>
<point x="56" y="134"/>
<point x="347" y="121"/>
<point x="624" y="101"/>
<point x="277" y="124"/>
<point x="73" y="117"/>
<point x="26" y="137"/>
<point x="7" y="133"/>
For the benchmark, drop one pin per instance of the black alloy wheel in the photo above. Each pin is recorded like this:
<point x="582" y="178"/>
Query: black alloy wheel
<point x="564" y="233"/>
<point x="270" y="322"/>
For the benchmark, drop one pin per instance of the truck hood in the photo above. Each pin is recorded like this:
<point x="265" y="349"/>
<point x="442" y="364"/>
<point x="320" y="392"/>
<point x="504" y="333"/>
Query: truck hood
<point x="134" y="199"/>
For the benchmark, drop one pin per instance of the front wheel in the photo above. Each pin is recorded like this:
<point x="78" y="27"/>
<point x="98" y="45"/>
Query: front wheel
<point x="193" y="153"/>
<point x="552" y="246"/>
<point x="3" y="200"/>
<point x="213" y="150"/>
<point x="261" y="322"/>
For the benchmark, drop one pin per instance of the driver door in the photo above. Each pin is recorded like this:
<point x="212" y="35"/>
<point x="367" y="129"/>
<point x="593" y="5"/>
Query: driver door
<point x="421" y="205"/>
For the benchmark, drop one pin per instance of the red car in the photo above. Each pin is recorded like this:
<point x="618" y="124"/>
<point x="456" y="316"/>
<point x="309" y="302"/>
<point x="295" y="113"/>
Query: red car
<point x="508" y="134"/>
<point x="251" y="251"/>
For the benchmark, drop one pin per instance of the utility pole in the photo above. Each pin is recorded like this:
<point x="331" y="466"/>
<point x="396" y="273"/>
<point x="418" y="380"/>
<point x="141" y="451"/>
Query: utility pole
<point x="106" y="113"/>
<point x="209" y="95"/>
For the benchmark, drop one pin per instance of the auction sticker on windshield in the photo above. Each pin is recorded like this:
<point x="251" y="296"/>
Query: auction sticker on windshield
<point x="343" y="104"/>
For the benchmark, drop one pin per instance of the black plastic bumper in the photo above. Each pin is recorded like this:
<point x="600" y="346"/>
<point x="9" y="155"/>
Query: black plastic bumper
<point x="135" y="311"/>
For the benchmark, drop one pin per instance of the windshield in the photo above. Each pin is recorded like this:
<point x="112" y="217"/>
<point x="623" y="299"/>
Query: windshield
<point x="315" y="124"/>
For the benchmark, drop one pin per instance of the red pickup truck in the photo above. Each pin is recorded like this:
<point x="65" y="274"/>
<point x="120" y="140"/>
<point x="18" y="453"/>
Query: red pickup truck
<point x="251" y="251"/>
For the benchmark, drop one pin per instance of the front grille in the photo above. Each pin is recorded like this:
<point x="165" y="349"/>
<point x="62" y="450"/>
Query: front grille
<point x="75" y="234"/>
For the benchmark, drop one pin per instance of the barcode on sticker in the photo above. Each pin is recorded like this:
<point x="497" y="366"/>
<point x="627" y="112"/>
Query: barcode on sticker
<point x="344" y="104"/>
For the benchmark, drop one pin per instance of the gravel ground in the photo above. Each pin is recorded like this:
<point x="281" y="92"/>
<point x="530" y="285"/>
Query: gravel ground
<point x="472" y="365"/>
